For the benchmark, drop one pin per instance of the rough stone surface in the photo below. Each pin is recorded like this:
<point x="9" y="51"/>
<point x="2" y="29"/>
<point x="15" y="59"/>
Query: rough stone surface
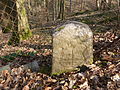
<point x="72" y="46"/>
<point x="7" y="67"/>
<point x="33" y="66"/>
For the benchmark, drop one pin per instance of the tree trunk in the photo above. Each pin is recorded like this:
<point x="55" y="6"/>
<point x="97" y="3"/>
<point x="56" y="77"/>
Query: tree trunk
<point x="46" y="7"/>
<point x="118" y="2"/>
<point x="53" y="10"/>
<point x="62" y="10"/>
<point x="70" y="6"/>
<point x="58" y="8"/>
<point x="21" y="30"/>
<point x="98" y="4"/>
<point x="82" y="4"/>
<point x="109" y="3"/>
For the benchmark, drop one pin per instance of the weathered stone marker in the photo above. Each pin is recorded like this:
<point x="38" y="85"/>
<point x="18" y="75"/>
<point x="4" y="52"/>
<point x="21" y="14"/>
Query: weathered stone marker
<point x="72" y="46"/>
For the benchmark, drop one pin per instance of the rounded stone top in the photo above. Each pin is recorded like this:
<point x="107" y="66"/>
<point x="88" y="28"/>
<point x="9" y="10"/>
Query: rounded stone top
<point x="73" y="28"/>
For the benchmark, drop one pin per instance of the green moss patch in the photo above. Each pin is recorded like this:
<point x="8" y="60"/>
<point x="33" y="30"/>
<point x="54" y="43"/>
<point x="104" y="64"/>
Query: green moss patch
<point x="60" y="28"/>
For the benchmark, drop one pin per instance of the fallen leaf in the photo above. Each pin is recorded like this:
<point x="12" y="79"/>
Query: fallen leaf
<point x="26" y="87"/>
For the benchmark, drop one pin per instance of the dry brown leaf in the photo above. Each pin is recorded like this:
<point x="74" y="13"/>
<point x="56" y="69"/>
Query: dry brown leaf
<point x="111" y="66"/>
<point x="26" y="87"/>
<point x="48" y="88"/>
<point x="5" y="73"/>
<point x="51" y="80"/>
<point x="7" y="82"/>
<point x="30" y="82"/>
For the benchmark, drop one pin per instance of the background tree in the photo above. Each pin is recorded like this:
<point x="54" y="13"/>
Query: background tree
<point x="18" y="18"/>
<point x="21" y="29"/>
<point x="70" y="6"/>
<point x="46" y="9"/>
<point x="62" y="10"/>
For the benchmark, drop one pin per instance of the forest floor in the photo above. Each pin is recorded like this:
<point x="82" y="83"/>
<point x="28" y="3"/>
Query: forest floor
<point x="104" y="74"/>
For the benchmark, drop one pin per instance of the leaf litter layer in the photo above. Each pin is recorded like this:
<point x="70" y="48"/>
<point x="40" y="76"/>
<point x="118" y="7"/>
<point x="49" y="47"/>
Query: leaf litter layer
<point x="103" y="74"/>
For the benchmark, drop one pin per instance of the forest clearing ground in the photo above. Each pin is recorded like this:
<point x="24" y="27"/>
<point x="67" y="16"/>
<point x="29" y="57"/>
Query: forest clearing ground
<point x="103" y="26"/>
<point x="104" y="74"/>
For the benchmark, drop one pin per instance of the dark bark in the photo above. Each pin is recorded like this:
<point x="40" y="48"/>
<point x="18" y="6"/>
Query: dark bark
<point x="62" y="10"/>
<point x="20" y="29"/>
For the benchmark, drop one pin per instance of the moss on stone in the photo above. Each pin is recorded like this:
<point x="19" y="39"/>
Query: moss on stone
<point x="45" y="70"/>
<point x="64" y="71"/>
<point x="60" y="28"/>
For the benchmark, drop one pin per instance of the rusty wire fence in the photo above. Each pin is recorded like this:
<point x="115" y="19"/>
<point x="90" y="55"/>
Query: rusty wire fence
<point x="39" y="18"/>
<point x="14" y="20"/>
